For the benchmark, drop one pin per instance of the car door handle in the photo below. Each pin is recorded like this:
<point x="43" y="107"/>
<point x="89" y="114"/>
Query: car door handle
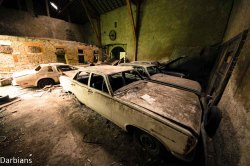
<point x="72" y="84"/>
<point x="90" y="91"/>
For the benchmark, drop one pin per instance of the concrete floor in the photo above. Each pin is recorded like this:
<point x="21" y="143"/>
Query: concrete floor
<point x="53" y="128"/>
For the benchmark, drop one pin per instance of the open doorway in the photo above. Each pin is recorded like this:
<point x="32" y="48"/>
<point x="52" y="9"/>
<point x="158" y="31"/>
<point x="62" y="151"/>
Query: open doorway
<point x="115" y="53"/>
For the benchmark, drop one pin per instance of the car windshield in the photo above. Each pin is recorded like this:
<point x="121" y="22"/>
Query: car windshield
<point x="153" y="70"/>
<point x="119" y="80"/>
<point x="38" y="68"/>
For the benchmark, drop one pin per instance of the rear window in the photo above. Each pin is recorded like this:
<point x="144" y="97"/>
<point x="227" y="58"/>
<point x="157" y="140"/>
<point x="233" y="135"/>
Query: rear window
<point x="119" y="80"/>
<point x="38" y="68"/>
<point x="66" y="68"/>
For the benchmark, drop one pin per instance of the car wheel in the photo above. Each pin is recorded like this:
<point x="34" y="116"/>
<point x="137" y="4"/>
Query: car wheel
<point x="47" y="81"/>
<point x="149" y="143"/>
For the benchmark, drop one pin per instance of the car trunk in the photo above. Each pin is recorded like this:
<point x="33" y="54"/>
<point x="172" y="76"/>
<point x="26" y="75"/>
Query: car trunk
<point x="178" y="81"/>
<point x="179" y="106"/>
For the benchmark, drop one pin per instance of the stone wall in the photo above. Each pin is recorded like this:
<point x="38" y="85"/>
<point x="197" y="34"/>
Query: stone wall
<point x="21" y="23"/>
<point x="17" y="53"/>
<point x="232" y="141"/>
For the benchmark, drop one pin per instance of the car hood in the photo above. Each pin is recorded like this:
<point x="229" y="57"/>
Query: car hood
<point x="186" y="83"/>
<point x="179" y="106"/>
<point x="23" y="73"/>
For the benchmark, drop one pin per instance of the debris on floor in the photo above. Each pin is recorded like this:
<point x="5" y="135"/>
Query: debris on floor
<point x="5" y="81"/>
<point x="56" y="129"/>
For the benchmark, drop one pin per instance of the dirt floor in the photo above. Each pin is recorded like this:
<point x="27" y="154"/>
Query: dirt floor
<point x="53" y="128"/>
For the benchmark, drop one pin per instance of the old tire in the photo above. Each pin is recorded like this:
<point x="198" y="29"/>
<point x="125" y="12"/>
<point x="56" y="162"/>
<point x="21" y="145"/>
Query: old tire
<point x="46" y="81"/>
<point x="212" y="120"/>
<point x="149" y="143"/>
<point x="4" y="99"/>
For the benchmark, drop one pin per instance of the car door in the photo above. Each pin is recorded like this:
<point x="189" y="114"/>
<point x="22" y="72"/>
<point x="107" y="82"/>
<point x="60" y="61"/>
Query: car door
<point x="98" y="96"/>
<point x="79" y="86"/>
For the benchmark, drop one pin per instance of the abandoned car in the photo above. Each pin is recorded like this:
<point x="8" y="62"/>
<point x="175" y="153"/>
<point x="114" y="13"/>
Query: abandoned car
<point x="42" y="75"/>
<point x="158" y="115"/>
<point x="153" y="73"/>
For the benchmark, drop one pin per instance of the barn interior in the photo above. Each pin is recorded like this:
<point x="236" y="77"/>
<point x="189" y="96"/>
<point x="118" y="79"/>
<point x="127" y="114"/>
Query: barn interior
<point x="206" y="41"/>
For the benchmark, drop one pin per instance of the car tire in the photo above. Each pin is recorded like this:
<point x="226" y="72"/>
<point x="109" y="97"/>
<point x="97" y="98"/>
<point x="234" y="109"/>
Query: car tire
<point x="46" y="81"/>
<point x="4" y="99"/>
<point x="212" y="120"/>
<point x="149" y="143"/>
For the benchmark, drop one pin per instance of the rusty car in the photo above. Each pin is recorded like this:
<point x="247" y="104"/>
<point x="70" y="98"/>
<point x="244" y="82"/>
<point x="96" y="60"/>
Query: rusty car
<point x="153" y="73"/>
<point x="160" y="117"/>
<point x="42" y="75"/>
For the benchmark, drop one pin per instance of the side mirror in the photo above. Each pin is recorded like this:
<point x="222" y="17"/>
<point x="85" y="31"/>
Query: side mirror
<point x="212" y="120"/>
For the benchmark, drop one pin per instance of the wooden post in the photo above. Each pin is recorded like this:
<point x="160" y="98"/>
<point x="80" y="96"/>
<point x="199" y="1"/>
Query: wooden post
<point x="133" y="26"/>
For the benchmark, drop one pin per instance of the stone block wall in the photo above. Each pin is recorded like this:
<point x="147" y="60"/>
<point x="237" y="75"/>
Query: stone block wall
<point x="17" y="53"/>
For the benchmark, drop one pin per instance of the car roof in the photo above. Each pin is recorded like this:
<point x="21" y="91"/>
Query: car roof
<point x="52" y="64"/>
<point x="136" y="64"/>
<point x="106" y="69"/>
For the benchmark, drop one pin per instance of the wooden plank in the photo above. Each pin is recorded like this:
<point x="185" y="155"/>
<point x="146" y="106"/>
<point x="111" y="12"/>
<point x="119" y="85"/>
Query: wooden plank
<point x="9" y="103"/>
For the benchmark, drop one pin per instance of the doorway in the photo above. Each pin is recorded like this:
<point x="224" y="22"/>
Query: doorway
<point x="115" y="53"/>
<point x="60" y="55"/>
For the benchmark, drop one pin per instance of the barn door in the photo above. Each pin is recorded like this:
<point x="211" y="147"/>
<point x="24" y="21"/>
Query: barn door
<point x="228" y="54"/>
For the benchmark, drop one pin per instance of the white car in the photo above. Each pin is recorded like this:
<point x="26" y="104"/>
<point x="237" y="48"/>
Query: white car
<point x="42" y="75"/>
<point x="158" y="115"/>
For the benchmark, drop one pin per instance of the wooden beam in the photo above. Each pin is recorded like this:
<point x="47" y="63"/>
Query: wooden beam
<point x="30" y="7"/>
<point x="47" y="8"/>
<point x="130" y="12"/>
<point x="137" y="26"/>
<point x="98" y="36"/>
<point x="65" y="7"/>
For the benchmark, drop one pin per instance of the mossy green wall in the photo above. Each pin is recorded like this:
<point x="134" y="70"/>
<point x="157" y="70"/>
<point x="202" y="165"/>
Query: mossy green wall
<point x="124" y="35"/>
<point x="166" y="24"/>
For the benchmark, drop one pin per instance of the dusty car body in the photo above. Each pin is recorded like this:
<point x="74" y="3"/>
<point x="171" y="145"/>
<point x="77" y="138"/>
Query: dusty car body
<point x="169" y="115"/>
<point x="42" y="75"/>
<point x="152" y="72"/>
